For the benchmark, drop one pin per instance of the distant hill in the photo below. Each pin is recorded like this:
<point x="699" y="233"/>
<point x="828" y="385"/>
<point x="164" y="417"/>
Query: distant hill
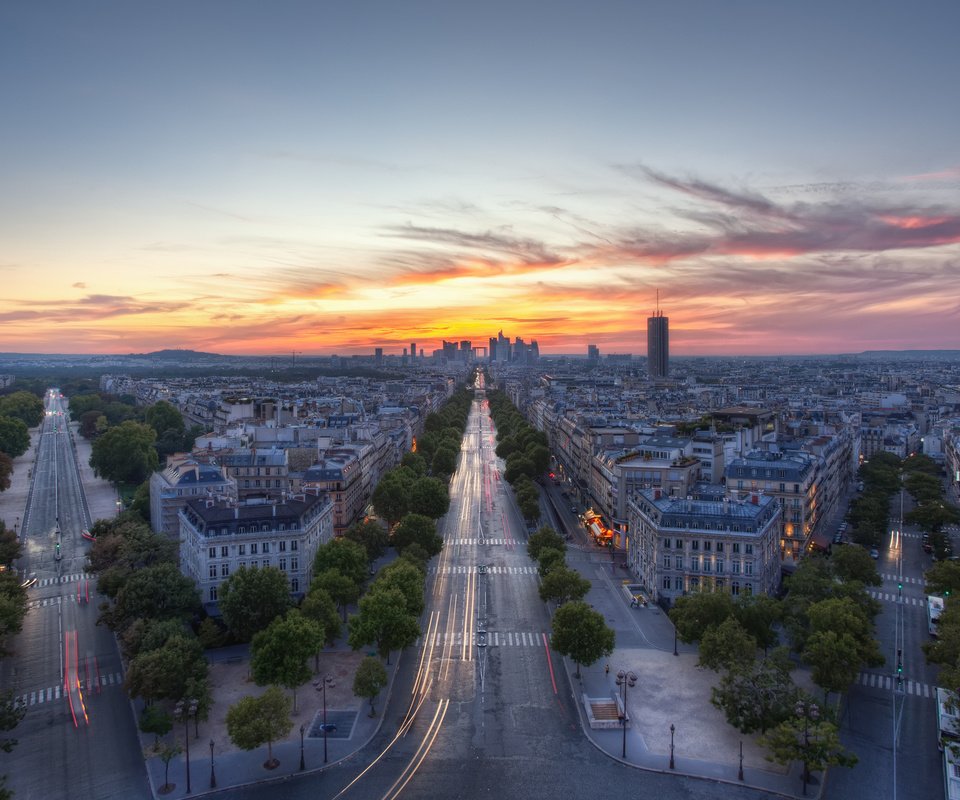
<point x="177" y="355"/>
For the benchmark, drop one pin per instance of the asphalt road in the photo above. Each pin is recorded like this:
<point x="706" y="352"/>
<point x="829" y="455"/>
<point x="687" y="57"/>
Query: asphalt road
<point x="78" y="737"/>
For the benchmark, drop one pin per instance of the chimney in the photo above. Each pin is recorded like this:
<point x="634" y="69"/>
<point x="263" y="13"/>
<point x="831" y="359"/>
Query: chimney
<point x="755" y="499"/>
<point x="656" y="493"/>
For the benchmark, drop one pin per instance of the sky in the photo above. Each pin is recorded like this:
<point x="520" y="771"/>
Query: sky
<point x="319" y="177"/>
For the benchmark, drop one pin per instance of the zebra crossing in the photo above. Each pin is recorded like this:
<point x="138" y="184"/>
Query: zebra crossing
<point x="479" y="541"/>
<point x="492" y="638"/>
<point x="892" y="597"/>
<point x="51" y="693"/>
<point x="79" y="576"/>
<point x="490" y="570"/>
<point x="53" y="601"/>
<point x="874" y="680"/>
<point x="889" y="576"/>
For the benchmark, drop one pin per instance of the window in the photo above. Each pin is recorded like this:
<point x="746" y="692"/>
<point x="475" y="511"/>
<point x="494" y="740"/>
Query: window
<point x="266" y="562"/>
<point x="719" y="565"/>
<point x="748" y="568"/>
<point x="748" y="589"/>
<point x="242" y="564"/>
<point x="706" y="546"/>
<point x="666" y="544"/>
<point x="283" y="564"/>
<point x="253" y="548"/>
<point x="695" y="563"/>
<point x="241" y="549"/>
<point x="293" y="545"/>
<point x="294" y="564"/>
<point x="213" y="594"/>
<point x="694" y="584"/>
<point x="735" y="567"/>
<point x="224" y="551"/>
<point x="678" y="583"/>
<point x="695" y="544"/>
<point x="706" y="564"/>
<point x="735" y="588"/>
<point x="254" y="564"/>
<point x="666" y="562"/>
<point x="224" y="570"/>
<point x="719" y="547"/>
<point x="213" y="570"/>
<point x="212" y="552"/>
<point x="736" y="547"/>
<point x="679" y="562"/>
<point x="666" y="582"/>
<point x="265" y="547"/>
<point x="748" y="549"/>
<point x="294" y="584"/>
<point x="783" y="487"/>
<point x="283" y="547"/>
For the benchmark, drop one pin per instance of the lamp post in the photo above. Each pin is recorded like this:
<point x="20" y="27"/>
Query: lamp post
<point x="672" y="729"/>
<point x="323" y="688"/>
<point x="740" y="771"/>
<point x="624" y="681"/>
<point x="807" y="711"/>
<point x="675" y="640"/>
<point x="213" y="775"/>
<point x="303" y="764"/>
<point x="183" y="710"/>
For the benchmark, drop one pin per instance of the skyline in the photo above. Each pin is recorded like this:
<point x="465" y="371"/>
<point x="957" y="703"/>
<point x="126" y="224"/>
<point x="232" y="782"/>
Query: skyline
<point x="244" y="179"/>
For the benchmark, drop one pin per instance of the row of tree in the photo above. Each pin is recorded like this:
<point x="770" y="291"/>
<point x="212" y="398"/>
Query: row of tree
<point x="19" y="411"/>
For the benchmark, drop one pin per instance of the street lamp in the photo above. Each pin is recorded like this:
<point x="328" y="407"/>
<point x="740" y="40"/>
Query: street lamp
<point x="807" y="711"/>
<point x="740" y="772"/>
<point x="672" y="729"/>
<point x="624" y="681"/>
<point x="213" y="775"/>
<point x="303" y="764"/>
<point x="675" y="640"/>
<point x="323" y="688"/>
<point x="183" y="710"/>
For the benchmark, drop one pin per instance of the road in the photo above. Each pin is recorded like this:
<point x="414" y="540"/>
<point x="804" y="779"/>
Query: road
<point x="890" y="726"/>
<point x="78" y="737"/>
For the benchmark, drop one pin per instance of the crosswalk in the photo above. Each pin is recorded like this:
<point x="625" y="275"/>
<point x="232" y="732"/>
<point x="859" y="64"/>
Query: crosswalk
<point x="64" y="579"/>
<point x="490" y="570"/>
<point x="875" y="680"/>
<point x="479" y="541"/>
<point x="51" y="693"/>
<point x="892" y="597"/>
<point x="889" y="576"/>
<point x="53" y="601"/>
<point x="492" y="639"/>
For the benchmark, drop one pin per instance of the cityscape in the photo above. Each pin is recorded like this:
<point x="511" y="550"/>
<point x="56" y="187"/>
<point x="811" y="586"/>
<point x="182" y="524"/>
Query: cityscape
<point x="442" y="400"/>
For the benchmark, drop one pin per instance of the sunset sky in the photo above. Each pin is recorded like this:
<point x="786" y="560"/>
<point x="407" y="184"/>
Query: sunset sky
<point x="262" y="177"/>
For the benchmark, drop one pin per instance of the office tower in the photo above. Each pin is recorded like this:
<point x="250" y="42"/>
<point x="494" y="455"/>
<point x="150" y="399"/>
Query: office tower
<point x="658" y="343"/>
<point x="378" y="356"/>
<point x="413" y="352"/>
<point x="593" y="352"/>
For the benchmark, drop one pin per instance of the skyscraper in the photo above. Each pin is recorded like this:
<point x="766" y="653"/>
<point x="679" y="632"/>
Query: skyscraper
<point x="658" y="343"/>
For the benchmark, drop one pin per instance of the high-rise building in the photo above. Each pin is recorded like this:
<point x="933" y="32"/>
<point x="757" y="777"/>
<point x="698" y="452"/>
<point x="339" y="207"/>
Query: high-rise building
<point x="658" y="344"/>
<point x="378" y="356"/>
<point x="593" y="352"/>
<point x="413" y="352"/>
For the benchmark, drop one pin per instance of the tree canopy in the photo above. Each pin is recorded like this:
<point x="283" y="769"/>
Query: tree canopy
<point x="369" y="680"/>
<point x="581" y="633"/>
<point x="417" y="529"/>
<point x="279" y="653"/>
<point x="344" y="555"/>
<point x="255" y="721"/>
<point x="250" y="599"/>
<point x="125" y="453"/>
<point x="24" y="406"/>
<point x="383" y="621"/>
<point x="14" y="436"/>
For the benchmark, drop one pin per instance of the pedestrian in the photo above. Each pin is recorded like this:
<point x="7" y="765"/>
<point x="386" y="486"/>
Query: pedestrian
<point x="606" y="669"/>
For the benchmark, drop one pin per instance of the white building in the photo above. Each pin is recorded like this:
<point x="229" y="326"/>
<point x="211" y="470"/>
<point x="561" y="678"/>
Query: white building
<point x="217" y="538"/>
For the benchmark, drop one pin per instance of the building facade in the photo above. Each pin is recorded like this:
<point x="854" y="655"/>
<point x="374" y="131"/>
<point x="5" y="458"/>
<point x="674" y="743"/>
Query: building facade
<point x="183" y="479"/>
<point x="658" y="346"/>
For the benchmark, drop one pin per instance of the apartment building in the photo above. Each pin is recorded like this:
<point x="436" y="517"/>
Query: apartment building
<point x="183" y="479"/>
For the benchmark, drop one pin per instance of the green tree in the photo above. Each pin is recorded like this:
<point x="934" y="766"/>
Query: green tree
<point x="90" y="424"/>
<point x="279" y="653"/>
<point x="6" y="470"/>
<point x="943" y="578"/>
<point x="759" y="615"/>
<point x="24" y="406"/>
<point x="408" y="579"/>
<point x="417" y="529"/>
<point x="14" y="436"/>
<point x="844" y="617"/>
<point x="167" y="754"/>
<point x="694" y="614"/>
<point x="391" y="498"/>
<point x="444" y="461"/>
<point x="341" y="589"/>
<point x="13" y="607"/>
<point x="11" y="712"/>
<point x="125" y="453"/>
<point x="250" y="599"/>
<point x="164" y="673"/>
<point x="383" y="621"/>
<point x="549" y="560"/>
<point x="757" y="696"/>
<point x="156" y="592"/>
<point x="140" y="505"/>
<point x="835" y="658"/>
<point x="163" y="416"/>
<point x="10" y="549"/>
<point x="415" y="462"/>
<point x="344" y="555"/>
<point x="580" y="633"/>
<point x="545" y="537"/>
<point x="369" y="680"/>
<point x="853" y="563"/>
<point x="563" y="584"/>
<point x="371" y="535"/>
<point x="428" y="496"/>
<point x="727" y="646"/>
<point x="255" y="721"/>
<point x="155" y="719"/>
<point x="932" y="516"/>
<point x="813" y="742"/>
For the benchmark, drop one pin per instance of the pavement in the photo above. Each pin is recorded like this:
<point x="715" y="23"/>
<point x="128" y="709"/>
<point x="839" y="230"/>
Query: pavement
<point x="670" y="690"/>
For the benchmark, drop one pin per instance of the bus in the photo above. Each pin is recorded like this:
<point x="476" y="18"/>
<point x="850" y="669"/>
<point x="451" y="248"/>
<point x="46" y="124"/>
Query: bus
<point x="934" y="610"/>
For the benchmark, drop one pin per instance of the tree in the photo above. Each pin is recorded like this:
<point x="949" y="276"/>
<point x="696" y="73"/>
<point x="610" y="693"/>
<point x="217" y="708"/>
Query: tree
<point x="757" y="696"/>
<point x="370" y="678"/>
<point x="943" y="578"/>
<point x="759" y="614"/>
<point x="90" y="424"/>
<point x="10" y="549"/>
<point x="835" y="658"/>
<point x="563" y="584"/>
<point x="154" y="719"/>
<point x="444" y="461"/>
<point x="279" y="653"/>
<point x="6" y="470"/>
<point x="24" y="406"/>
<point x="844" y="617"/>
<point x="383" y="621"/>
<point x="727" y="646"/>
<point x="931" y="517"/>
<point x="163" y="416"/>
<point x="530" y="508"/>
<point x="125" y="453"/>
<point x="166" y="672"/>
<point x="167" y="754"/>
<point x="13" y="607"/>
<point x="408" y="579"/>
<point x="345" y="556"/>
<point x="694" y="614"/>
<point x="429" y="497"/>
<point x="545" y="537"/>
<point x="813" y="742"/>
<point x="250" y="599"/>
<point x="853" y="563"/>
<point x="156" y="592"/>
<point x="417" y="529"/>
<point x="371" y="535"/>
<point x="391" y="498"/>
<point x="14" y="436"/>
<point x="255" y="721"/>
<point x="549" y="559"/>
<point x="140" y="505"/>
<point x="11" y="712"/>
<point x="415" y="462"/>
<point x="341" y="589"/>
<point x="580" y="633"/>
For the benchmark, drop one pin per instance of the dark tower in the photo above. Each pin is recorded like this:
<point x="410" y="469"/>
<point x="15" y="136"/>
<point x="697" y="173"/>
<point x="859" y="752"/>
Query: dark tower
<point x="658" y="343"/>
